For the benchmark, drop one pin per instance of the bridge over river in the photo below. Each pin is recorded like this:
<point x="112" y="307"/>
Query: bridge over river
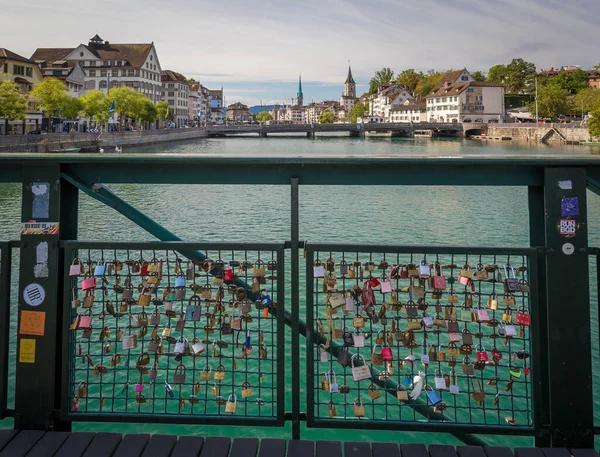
<point x="358" y="130"/>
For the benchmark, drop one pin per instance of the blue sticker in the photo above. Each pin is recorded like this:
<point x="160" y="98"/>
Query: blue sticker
<point x="570" y="206"/>
<point x="41" y="200"/>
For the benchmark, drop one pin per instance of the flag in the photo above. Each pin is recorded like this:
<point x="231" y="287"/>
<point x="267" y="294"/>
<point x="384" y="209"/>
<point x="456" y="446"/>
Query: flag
<point x="112" y="107"/>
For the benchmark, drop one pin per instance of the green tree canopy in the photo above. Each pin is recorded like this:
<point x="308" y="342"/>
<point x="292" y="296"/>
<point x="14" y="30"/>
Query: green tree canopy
<point x="428" y="81"/>
<point x="162" y="109"/>
<point x="147" y="111"/>
<point x="572" y="81"/>
<point x="518" y="76"/>
<point x="409" y="78"/>
<point x="326" y="117"/>
<point x="478" y="76"/>
<point x="264" y="116"/>
<point x="552" y="102"/>
<point x="72" y="108"/>
<point x="594" y="123"/>
<point x="358" y="110"/>
<point x="96" y="105"/>
<point x="52" y="96"/>
<point x="385" y="75"/>
<point x="13" y="104"/>
<point x="587" y="100"/>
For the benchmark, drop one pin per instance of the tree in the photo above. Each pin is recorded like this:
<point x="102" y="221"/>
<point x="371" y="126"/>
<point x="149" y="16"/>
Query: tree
<point x="96" y="105"/>
<point x="552" y="102"/>
<point x="72" y="108"/>
<point x="409" y="78"/>
<point x="518" y="76"/>
<point x="162" y="109"/>
<point x="594" y="123"/>
<point x="478" y="76"/>
<point x="428" y="81"/>
<point x="52" y="96"/>
<point x="358" y="110"/>
<point x="587" y="100"/>
<point x="326" y="117"/>
<point x="572" y="81"/>
<point x="13" y="105"/>
<point x="385" y="75"/>
<point x="264" y="116"/>
<point x="147" y="110"/>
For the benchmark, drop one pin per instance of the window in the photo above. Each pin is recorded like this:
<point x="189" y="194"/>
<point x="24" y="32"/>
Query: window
<point x="18" y="69"/>
<point x="103" y="85"/>
<point x="118" y="63"/>
<point x="464" y="78"/>
<point x="28" y="71"/>
<point x="150" y="57"/>
<point x="130" y="73"/>
<point x="171" y="94"/>
<point x="115" y="73"/>
<point x="112" y="63"/>
<point x="103" y="73"/>
<point x="105" y="63"/>
<point x="5" y="68"/>
<point x="137" y="73"/>
<point x="470" y="90"/>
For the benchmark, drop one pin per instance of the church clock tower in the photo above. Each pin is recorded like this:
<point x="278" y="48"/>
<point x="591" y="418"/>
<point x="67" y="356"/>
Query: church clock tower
<point x="300" y="95"/>
<point x="350" y="85"/>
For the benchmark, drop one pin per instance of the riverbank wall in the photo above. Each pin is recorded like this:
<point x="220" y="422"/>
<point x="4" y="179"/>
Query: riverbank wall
<point x="549" y="133"/>
<point x="129" y="139"/>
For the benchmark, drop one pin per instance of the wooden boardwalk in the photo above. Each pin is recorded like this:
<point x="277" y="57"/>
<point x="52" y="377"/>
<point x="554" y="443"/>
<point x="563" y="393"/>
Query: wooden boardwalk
<point x="14" y="443"/>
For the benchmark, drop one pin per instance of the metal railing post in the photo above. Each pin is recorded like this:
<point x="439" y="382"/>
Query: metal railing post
<point x="5" y="274"/>
<point x="295" y="240"/>
<point x="568" y="309"/>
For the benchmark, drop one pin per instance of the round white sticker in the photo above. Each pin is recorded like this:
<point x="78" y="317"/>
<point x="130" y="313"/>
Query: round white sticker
<point x="34" y="294"/>
<point x="568" y="248"/>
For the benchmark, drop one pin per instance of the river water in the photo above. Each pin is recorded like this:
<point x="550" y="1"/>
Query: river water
<point x="375" y="214"/>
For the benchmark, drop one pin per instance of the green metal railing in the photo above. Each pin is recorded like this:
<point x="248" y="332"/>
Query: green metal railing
<point x="537" y="404"/>
<point x="5" y="282"/>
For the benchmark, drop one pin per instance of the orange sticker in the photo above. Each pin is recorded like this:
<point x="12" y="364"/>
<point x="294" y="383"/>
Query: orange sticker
<point x="32" y="323"/>
<point x="27" y="350"/>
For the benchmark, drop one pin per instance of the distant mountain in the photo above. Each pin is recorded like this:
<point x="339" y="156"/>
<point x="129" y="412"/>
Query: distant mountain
<point x="257" y="109"/>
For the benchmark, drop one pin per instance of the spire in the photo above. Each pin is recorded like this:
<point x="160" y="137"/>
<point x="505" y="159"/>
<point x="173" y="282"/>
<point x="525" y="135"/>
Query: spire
<point x="300" y="94"/>
<point x="349" y="79"/>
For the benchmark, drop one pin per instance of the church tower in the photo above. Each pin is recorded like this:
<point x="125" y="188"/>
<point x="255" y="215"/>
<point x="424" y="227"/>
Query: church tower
<point x="350" y="85"/>
<point x="300" y="95"/>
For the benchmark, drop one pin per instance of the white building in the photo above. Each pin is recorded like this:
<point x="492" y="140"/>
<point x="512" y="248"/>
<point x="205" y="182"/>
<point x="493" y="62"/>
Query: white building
<point x="314" y="110"/>
<point x="387" y="96"/>
<point x="198" y="104"/>
<point x="131" y="65"/>
<point x="175" y="91"/>
<point x="69" y="71"/>
<point x="409" y="112"/>
<point x="459" y="98"/>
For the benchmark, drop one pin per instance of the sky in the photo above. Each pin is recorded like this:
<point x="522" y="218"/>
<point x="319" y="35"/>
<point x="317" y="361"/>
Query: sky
<point x="255" y="49"/>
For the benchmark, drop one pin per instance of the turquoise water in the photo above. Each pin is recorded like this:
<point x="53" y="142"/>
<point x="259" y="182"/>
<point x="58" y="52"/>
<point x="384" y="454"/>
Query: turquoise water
<point x="376" y="214"/>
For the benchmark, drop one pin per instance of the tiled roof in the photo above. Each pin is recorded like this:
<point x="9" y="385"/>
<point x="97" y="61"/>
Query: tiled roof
<point x="6" y="54"/>
<point x="135" y="54"/>
<point x="409" y="107"/>
<point x="50" y="55"/>
<point x="169" y="75"/>
<point x="238" y="105"/>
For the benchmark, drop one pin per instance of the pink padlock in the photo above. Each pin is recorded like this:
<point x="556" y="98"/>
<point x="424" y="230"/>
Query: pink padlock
<point x="139" y="387"/>
<point x="88" y="283"/>
<point x="386" y="353"/>
<point x="75" y="404"/>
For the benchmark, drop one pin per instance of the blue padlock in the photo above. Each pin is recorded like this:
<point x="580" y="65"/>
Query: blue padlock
<point x="407" y="380"/>
<point x="248" y="345"/>
<point x="180" y="281"/>
<point x="433" y="395"/>
<point x="265" y="300"/>
<point x="189" y="313"/>
<point x="169" y="390"/>
<point x="100" y="270"/>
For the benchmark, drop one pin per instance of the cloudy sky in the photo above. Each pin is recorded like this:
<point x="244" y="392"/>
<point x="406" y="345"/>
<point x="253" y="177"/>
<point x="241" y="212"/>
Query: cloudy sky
<point x="256" y="48"/>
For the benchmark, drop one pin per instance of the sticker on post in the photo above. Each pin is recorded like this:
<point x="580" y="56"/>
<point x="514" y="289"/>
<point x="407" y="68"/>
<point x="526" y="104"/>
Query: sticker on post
<point x="40" y="270"/>
<point x="27" y="350"/>
<point x="565" y="185"/>
<point x="40" y="228"/>
<point x="568" y="227"/>
<point x="41" y="200"/>
<point x="568" y="248"/>
<point x="32" y="323"/>
<point x="569" y="206"/>
<point x="34" y="294"/>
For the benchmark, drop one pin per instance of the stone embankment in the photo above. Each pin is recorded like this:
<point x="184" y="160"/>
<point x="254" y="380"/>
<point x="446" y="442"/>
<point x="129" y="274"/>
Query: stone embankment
<point x="550" y="133"/>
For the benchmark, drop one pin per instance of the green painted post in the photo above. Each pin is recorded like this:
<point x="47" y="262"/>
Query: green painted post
<point x="568" y="309"/>
<point x="5" y="273"/>
<point x="40" y="300"/>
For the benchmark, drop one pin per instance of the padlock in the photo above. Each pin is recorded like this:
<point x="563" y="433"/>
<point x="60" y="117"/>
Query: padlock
<point x="523" y="317"/>
<point x="377" y="358"/>
<point x="181" y="345"/>
<point x="247" y="390"/>
<point x="169" y="390"/>
<point x="331" y="409"/>
<point x="467" y="337"/>
<point x="325" y="382"/>
<point x="424" y="270"/>
<point x="468" y="368"/>
<point x="359" y="372"/>
<point x="482" y="355"/>
<point x="374" y="392"/>
<point x="453" y="389"/>
<point x="465" y="276"/>
<point x="359" y="409"/>
<point x="440" y="381"/>
<point x="492" y="302"/>
<point x="433" y="395"/>
<point x="220" y="373"/>
<point x="318" y="269"/>
<point x="359" y="339"/>
<point x="481" y="273"/>
<point x="386" y="353"/>
<point x="179" y="374"/>
<point x="344" y="357"/>
<point x="511" y="283"/>
<point x="433" y="353"/>
<point x="231" y="405"/>
<point x="401" y="394"/>
<point x="323" y="355"/>
<point x="507" y="316"/>
<point x="333" y="385"/>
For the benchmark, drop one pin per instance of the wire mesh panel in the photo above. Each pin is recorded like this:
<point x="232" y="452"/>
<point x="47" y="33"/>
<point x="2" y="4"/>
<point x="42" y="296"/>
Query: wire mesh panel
<point x="436" y="337"/>
<point x="152" y="333"/>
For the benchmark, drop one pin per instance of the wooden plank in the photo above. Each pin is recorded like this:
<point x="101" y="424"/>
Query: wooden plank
<point x="103" y="445"/>
<point x="414" y="450"/>
<point x="76" y="444"/>
<point x="556" y="452"/>
<point x="270" y="447"/>
<point x="22" y="443"/>
<point x="216" y="446"/>
<point x="470" y="451"/>
<point x="328" y="449"/>
<point x="442" y="450"/>
<point x="528" y="452"/>
<point x="301" y="448"/>
<point x="6" y="437"/>
<point x="244" y="447"/>
<point x="584" y="453"/>
<point x="160" y="446"/>
<point x="353" y="449"/>
<point x="49" y="444"/>
<point x="132" y="445"/>
<point x="385" y="450"/>
<point x="188" y="446"/>
<point x="498" y="451"/>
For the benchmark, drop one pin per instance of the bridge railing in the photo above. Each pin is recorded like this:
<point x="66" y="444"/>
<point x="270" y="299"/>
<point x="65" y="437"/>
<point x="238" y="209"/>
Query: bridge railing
<point x="531" y="362"/>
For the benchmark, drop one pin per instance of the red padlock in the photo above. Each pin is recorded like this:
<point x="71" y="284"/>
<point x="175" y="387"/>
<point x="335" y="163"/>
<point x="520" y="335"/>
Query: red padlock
<point x="523" y="318"/>
<point x="404" y="272"/>
<point x="75" y="404"/>
<point x="482" y="355"/>
<point x="438" y="282"/>
<point x="374" y="282"/>
<point x="496" y="354"/>
<point x="386" y="353"/>
<point x="228" y="273"/>
<point x="144" y="269"/>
